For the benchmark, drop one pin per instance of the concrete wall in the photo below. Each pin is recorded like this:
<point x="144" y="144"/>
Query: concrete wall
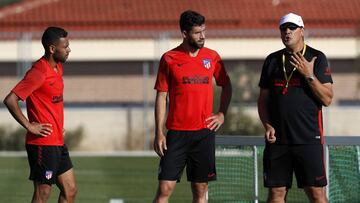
<point x="152" y="49"/>
<point x="105" y="129"/>
<point x="110" y="129"/>
<point x="337" y="120"/>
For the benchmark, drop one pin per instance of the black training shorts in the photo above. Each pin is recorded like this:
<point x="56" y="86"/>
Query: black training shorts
<point x="47" y="162"/>
<point x="193" y="149"/>
<point x="281" y="161"/>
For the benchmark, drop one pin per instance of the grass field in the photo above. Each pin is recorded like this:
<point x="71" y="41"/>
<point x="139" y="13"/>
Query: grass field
<point x="133" y="179"/>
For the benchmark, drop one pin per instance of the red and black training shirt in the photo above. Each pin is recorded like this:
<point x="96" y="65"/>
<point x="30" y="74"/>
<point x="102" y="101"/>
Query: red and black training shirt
<point x="42" y="88"/>
<point x="189" y="83"/>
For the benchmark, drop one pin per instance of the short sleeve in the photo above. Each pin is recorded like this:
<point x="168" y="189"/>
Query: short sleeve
<point x="162" y="80"/>
<point x="322" y="70"/>
<point x="220" y="74"/>
<point x="264" y="77"/>
<point x="32" y="80"/>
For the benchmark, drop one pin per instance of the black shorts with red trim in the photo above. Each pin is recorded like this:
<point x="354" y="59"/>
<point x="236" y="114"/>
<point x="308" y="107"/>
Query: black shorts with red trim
<point x="193" y="149"/>
<point x="306" y="161"/>
<point x="47" y="162"/>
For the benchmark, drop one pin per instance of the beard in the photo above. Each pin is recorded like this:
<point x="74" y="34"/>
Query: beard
<point x="60" y="58"/>
<point x="196" y="44"/>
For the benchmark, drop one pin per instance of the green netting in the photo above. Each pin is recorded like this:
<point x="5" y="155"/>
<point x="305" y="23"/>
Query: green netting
<point x="344" y="174"/>
<point x="235" y="166"/>
<point x="235" y="169"/>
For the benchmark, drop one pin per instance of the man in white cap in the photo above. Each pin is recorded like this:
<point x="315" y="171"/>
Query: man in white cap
<point x="295" y="83"/>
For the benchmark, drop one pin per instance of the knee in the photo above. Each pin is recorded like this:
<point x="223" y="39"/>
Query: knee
<point x="199" y="191"/>
<point x="199" y="194"/>
<point x="72" y="190"/>
<point x="317" y="194"/>
<point x="68" y="190"/>
<point x="165" y="190"/>
<point x="42" y="192"/>
<point x="277" y="194"/>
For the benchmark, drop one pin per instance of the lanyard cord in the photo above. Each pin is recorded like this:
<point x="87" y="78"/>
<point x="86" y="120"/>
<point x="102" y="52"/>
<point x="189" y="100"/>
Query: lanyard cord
<point x="288" y="78"/>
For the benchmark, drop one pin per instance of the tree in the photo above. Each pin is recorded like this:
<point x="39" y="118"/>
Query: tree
<point x="245" y="93"/>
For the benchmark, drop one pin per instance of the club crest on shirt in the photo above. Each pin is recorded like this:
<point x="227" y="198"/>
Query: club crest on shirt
<point x="207" y="63"/>
<point x="48" y="174"/>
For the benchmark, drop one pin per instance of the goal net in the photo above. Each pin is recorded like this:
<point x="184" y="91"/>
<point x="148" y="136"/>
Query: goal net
<point x="240" y="178"/>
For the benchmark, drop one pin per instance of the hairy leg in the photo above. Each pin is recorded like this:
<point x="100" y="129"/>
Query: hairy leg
<point x="164" y="191"/>
<point x="67" y="185"/>
<point x="41" y="192"/>
<point x="316" y="194"/>
<point x="277" y="195"/>
<point x="199" y="191"/>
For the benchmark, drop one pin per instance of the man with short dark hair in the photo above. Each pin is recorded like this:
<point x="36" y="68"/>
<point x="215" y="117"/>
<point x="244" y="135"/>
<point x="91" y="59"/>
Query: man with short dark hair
<point x="295" y="83"/>
<point x="42" y="88"/>
<point x="185" y="74"/>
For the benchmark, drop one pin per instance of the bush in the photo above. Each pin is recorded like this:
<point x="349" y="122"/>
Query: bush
<point x="245" y="92"/>
<point x="14" y="140"/>
<point x="239" y="123"/>
<point x="73" y="137"/>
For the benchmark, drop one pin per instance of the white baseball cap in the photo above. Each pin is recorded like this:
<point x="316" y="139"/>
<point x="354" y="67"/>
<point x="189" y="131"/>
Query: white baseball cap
<point x="292" y="18"/>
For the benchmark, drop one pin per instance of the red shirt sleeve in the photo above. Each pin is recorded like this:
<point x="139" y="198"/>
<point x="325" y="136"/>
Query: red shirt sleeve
<point x="220" y="74"/>
<point x="32" y="80"/>
<point x="162" y="80"/>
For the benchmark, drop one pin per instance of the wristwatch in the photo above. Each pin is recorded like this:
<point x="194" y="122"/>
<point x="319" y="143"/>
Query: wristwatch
<point x="310" y="78"/>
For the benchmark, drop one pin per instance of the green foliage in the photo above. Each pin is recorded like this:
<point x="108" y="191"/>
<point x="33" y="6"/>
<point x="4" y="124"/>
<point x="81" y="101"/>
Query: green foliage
<point x="14" y="140"/>
<point x="74" y="137"/>
<point x="239" y="123"/>
<point x="8" y="2"/>
<point x="245" y="85"/>
<point x="2" y="134"/>
<point x="245" y="92"/>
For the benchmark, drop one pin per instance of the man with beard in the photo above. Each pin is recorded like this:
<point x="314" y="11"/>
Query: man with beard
<point x="295" y="83"/>
<point x="185" y="74"/>
<point x="42" y="88"/>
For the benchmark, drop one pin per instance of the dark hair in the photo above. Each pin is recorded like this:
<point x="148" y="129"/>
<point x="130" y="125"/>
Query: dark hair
<point x="190" y="18"/>
<point x="52" y="35"/>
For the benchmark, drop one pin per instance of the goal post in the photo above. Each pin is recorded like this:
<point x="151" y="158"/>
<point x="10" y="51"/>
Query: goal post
<point x="239" y="169"/>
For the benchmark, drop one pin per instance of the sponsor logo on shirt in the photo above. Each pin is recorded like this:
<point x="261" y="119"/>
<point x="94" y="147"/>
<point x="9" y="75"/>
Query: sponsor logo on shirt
<point x="48" y="174"/>
<point x="327" y="71"/>
<point x="207" y="63"/>
<point x="196" y="79"/>
<point x="296" y="82"/>
<point x="57" y="99"/>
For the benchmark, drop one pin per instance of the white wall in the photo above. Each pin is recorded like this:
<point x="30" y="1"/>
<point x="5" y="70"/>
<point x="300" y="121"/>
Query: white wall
<point x="107" y="129"/>
<point x="337" y="120"/>
<point x="152" y="49"/>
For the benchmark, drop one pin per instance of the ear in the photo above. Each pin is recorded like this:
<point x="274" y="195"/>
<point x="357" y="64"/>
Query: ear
<point x="302" y="32"/>
<point x="52" y="49"/>
<point x="184" y="34"/>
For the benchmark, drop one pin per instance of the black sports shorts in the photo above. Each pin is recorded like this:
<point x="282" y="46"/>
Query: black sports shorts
<point x="193" y="149"/>
<point x="47" y="162"/>
<point x="281" y="161"/>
